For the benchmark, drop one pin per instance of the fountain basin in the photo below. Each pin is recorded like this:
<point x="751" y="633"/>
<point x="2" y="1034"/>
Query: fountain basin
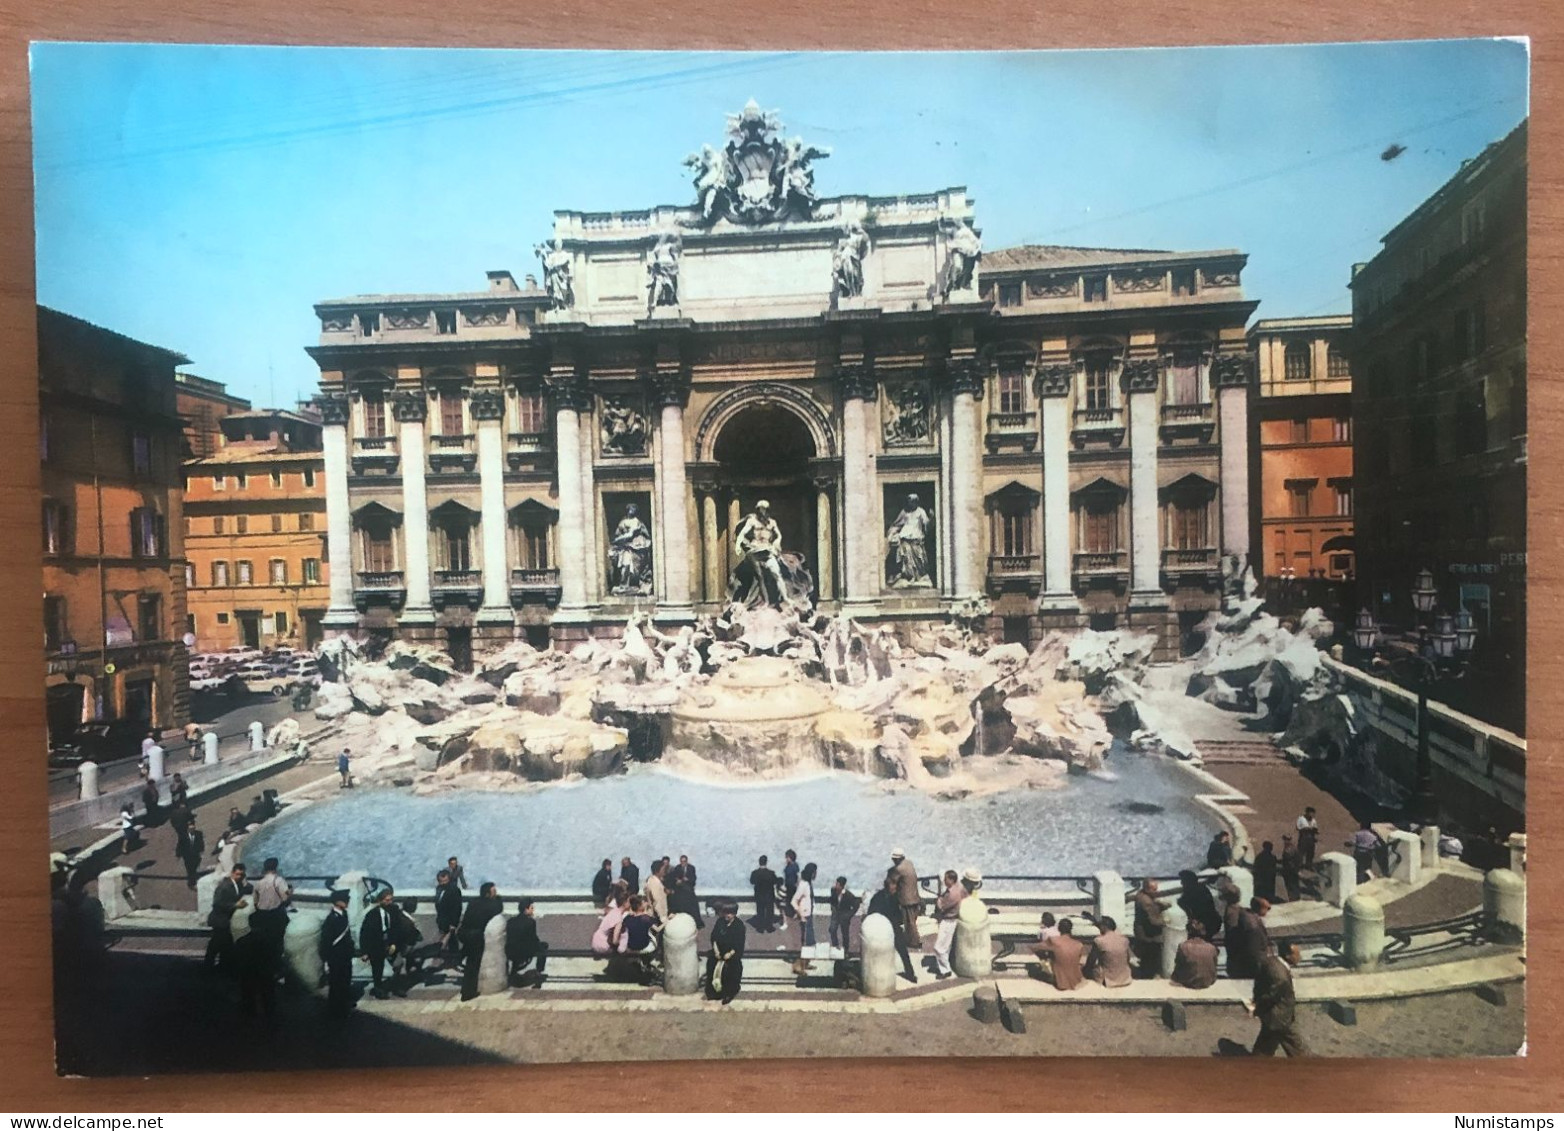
<point x="551" y="837"/>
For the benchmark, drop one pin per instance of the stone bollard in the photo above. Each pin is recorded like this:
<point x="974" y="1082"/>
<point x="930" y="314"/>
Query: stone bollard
<point x="1504" y="906"/>
<point x="112" y="883"/>
<point x="1517" y="843"/>
<point x="1338" y="875"/>
<point x="879" y="959"/>
<point x="493" y="970"/>
<point x="1406" y="857"/>
<point x="1243" y="880"/>
<point x="206" y="887"/>
<point x="1108" y="896"/>
<point x="155" y="760"/>
<point x="681" y="963"/>
<point x="973" y="954"/>
<point x="301" y="949"/>
<point x="239" y="925"/>
<point x="1429" y="836"/>
<point x="88" y="773"/>
<point x="1363" y="931"/>
<point x="209" y="746"/>
<point x="1175" y="930"/>
<point x="985" y="1003"/>
<point x="257" y="736"/>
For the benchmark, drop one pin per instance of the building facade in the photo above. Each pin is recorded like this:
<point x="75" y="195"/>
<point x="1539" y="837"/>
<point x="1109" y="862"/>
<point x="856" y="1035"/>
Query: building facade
<point x="1439" y="404"/>
<point x="113" y="547"/>
<point x="1062" y="431"/>
<point x="1304" y="421"/>
<point x="255" y="534"/>
<point x="202" y="403"/>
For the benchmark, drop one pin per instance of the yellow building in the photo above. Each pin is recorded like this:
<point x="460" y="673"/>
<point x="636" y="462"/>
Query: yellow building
<point x="113" y="545"/>
<point x="255" y="522"/>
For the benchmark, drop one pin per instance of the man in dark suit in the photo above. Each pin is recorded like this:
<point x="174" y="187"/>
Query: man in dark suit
<point x="630" y="874"/>
<point x="1248" y="941"/>
<point x="226" y="899"/>
<point x="884" y="902"/>
<point x="764" y="881"/>
<point x="447" y="909"/>
<point x="523" y="948"/>
<point x="485" y="907"/>
<point x="1276" y="1006"/>
<point x="336" y="949"/>
<point x="725" y="963"/>
<point x="603" y="883"/>
<point x="1194" y="967"/>
<point x="384" y="937"/>
<point x="1148" y="930"/>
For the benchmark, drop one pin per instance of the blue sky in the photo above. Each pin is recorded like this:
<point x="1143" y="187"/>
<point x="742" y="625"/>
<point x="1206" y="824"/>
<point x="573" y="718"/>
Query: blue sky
<point x="203" y="198"/>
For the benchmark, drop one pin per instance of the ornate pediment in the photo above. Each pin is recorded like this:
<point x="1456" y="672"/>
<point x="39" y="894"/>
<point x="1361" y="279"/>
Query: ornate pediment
<point x="758" y="177"/>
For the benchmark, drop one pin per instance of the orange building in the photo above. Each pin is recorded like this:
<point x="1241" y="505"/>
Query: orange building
<point x="203" y="403"/>
<point x="255" y="527"/>
<point x="113" y="545"/>
<point x="1305" y="449"/>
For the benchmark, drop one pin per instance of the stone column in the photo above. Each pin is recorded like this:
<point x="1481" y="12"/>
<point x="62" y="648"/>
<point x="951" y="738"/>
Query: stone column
<point x="339" y="519"/>
<point x="825" y="552"/>
<point x="1517" y="847"/>
<point x="488" y="413"/>
<point x="155" y="762"/>
<point x="673" y="490"/>
<point x="113" y="893"/>
<point x="711" y="546"/>
<point x="1140" y="387"/>
<point x="209" y="748"/>
<point x="1363" y="932"/>
<point x="1338" y="877"/>
<point x="569" y="399"/>
<point x="681" y="962"/>
<point x="1175" y="932"/>
<point x="879" y="961"/>
<point x="1230" y="378"/>
<point x="1428" y="839"/>
<point x="860" y="528"/>
<point x="1053" y="389"/>
<point x="493" y="967"/>
<point x="88" y="772"/>
<point x="1504" y="906"/>
<point x="966" y="465"/>
<point x="1406" y="857"/>
<point x="1109" y="892"/>
<point x="301" y="948"/>
<point x="973" y="954"/>
<point x="734" y="518"/>
<point x="410" y="408"/>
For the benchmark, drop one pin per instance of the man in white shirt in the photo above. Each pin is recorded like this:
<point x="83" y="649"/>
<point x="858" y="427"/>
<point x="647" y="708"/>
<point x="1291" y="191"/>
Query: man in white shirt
<point x="270" y="918"/>
<point x="1308" y="837"/>
<point x="946" y="908"/>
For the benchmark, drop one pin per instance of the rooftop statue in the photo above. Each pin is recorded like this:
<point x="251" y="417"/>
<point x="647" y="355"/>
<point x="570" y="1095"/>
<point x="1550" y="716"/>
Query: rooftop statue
<point x="557" y="279"/>
<point x="963" y="249"/>
<point x="757" y="177"/>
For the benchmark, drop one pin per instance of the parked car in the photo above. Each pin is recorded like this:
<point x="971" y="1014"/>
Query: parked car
<point x="304" y="670"/>
<point x="268" y="683"/>
<point x="102" y="740"/>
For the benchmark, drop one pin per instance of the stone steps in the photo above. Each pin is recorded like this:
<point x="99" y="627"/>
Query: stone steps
<point x="1239" y="752"/>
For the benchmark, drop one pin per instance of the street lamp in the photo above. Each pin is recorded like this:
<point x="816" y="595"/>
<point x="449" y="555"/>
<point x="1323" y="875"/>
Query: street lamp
<point x="1365" y="631"/>
<point x="1424" y="593"/>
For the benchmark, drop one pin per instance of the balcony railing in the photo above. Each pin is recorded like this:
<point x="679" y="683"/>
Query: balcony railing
<point x="1097" y="425"/>
<point x="534" y="585"/>
<point x="1188" y="420"/>
<point x="523" y="446"/>
<point x="456" y="586"/>
<point x="379" y="452"/>
<point x="452" y="451"/>
<point x="1013" y="565"/>
<point x="1174" y="561"/>
<point x="379" y="587"/>
<point x="1096" y="417"/>
<point x="1101" y="568"/>
<point x="1018" y="428"/>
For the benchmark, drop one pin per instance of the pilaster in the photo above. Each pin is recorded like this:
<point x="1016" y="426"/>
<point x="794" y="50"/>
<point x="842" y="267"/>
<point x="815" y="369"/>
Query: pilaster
<point x="1140" y="389"/>
<point x="487" y="407"/>
<point x="1053" y="392"/>
<point x="568" y="392"/>
<point x="669" y="380"/>
<point x="1232" y="376"/>
<point x="334" y="410"/>
<point x="410" y="407"/>
<point x="860" y="490"/>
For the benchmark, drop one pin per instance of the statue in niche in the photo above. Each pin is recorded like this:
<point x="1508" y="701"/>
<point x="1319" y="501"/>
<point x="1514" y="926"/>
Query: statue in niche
<point x="557" y="279"/>
<point x="630" y="554"/>
<point x="847" y="261"/>
<point x="908" y="543"/>
<point x="963" y="249"/>
<point x="624" y="428"/>
<point x="662" y="272"/>
<point x="766" y="574"/>
<point x="908" y="422"/>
